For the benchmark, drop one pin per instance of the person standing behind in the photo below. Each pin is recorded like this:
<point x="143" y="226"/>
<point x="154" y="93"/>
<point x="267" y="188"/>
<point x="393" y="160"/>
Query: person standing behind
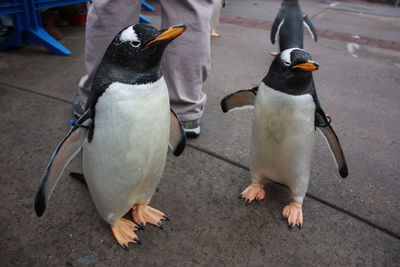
<point x="217" y="4"/>
<point x="186" y="61"/>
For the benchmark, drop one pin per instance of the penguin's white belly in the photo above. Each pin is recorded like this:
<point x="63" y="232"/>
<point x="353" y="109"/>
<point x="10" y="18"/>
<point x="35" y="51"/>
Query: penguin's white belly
<point x="283" y="138"/>
<point x="125" y="160"/>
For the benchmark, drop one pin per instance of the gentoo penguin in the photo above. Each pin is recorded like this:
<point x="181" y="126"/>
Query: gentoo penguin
<point x="288" y="26"/>
<point x="124" y="133"/>
<point x="287" y="113"/>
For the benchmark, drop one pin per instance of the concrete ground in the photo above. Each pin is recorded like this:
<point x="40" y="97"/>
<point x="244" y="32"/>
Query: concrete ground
<point x="352" y="222"/>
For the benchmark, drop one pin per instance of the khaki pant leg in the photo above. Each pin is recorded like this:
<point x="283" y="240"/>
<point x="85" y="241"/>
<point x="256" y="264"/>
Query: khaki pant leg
<point x="105" y="19"/>
<point x="186" y="60"/>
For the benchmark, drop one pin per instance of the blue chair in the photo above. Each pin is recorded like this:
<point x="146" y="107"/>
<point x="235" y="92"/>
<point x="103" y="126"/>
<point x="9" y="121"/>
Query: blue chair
<point x="27" y="25"/>
<point x="148" y="7"/>
<point x="27" y="28"/>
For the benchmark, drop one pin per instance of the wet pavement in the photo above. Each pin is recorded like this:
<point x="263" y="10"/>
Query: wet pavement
<point x="353" y="221"/>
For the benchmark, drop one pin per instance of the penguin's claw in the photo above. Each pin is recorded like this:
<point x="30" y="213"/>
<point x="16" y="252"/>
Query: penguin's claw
<point x="143" y="214"/>
<point x="293" y="214"/>
<point x="140" y="227"/>
<point x="137" y="240"/>
<point x="124" y="232"/>
<point x="253" y="191"/>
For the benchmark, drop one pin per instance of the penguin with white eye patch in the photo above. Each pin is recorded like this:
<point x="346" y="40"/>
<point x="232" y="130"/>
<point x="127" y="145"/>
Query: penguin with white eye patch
<point x="124" y="133"/>
<point x="287" y="113"/>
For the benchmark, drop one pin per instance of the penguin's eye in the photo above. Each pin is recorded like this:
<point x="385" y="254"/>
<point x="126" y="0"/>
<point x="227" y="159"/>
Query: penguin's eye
<point x="286" y="63"/>
<point x="135" y="44"/>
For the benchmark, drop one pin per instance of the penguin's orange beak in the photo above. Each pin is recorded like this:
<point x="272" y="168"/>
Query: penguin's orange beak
<point x="308" y="66"/>
<point x="170" y="33"/>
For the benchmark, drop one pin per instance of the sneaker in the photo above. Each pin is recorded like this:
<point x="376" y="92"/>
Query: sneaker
<point x="77" y="108"/>
<point x="191" y="128"/>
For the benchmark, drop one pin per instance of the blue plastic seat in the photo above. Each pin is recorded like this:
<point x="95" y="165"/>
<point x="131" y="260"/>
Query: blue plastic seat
<point x="27" y="27"/>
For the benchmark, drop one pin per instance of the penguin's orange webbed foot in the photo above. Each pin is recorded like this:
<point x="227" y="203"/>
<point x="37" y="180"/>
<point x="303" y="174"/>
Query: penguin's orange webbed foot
<point x="124" y="232"/>
<point x="253" y="191"/>
<point x="143" y="214"/>
<point x="293" y="213"/>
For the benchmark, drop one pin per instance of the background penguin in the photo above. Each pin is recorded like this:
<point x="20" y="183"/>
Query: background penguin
<point x="288" y="25"/>
<point x="286" y="114"/>
<point x="124" y="133"/>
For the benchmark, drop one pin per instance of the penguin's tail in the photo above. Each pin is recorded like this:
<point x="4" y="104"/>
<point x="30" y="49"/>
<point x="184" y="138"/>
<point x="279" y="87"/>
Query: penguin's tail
<point x="78" y="176"/>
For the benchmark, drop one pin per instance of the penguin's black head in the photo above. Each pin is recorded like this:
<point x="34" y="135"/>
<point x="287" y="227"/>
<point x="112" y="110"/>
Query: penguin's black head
<point x="293" y="63"/>
<point x="141" y="46"/>
<point x="291" y="71"/>
<point x="296" y="59"/>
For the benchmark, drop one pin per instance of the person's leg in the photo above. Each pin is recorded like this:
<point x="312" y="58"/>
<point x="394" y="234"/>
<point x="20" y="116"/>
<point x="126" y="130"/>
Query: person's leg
<point x="187" y="59"/>
<point x="105" y="19"/>
<point x="215" y="17"/>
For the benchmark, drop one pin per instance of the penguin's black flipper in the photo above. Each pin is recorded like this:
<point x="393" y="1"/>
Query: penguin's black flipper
<point x="177" y="136"/>
<point x="310" y="27"/>
<point x="239" y="100"/>
<point x="276" y="26"/>
<point x="331" y="138"/>
<point x="66" y="150"/>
